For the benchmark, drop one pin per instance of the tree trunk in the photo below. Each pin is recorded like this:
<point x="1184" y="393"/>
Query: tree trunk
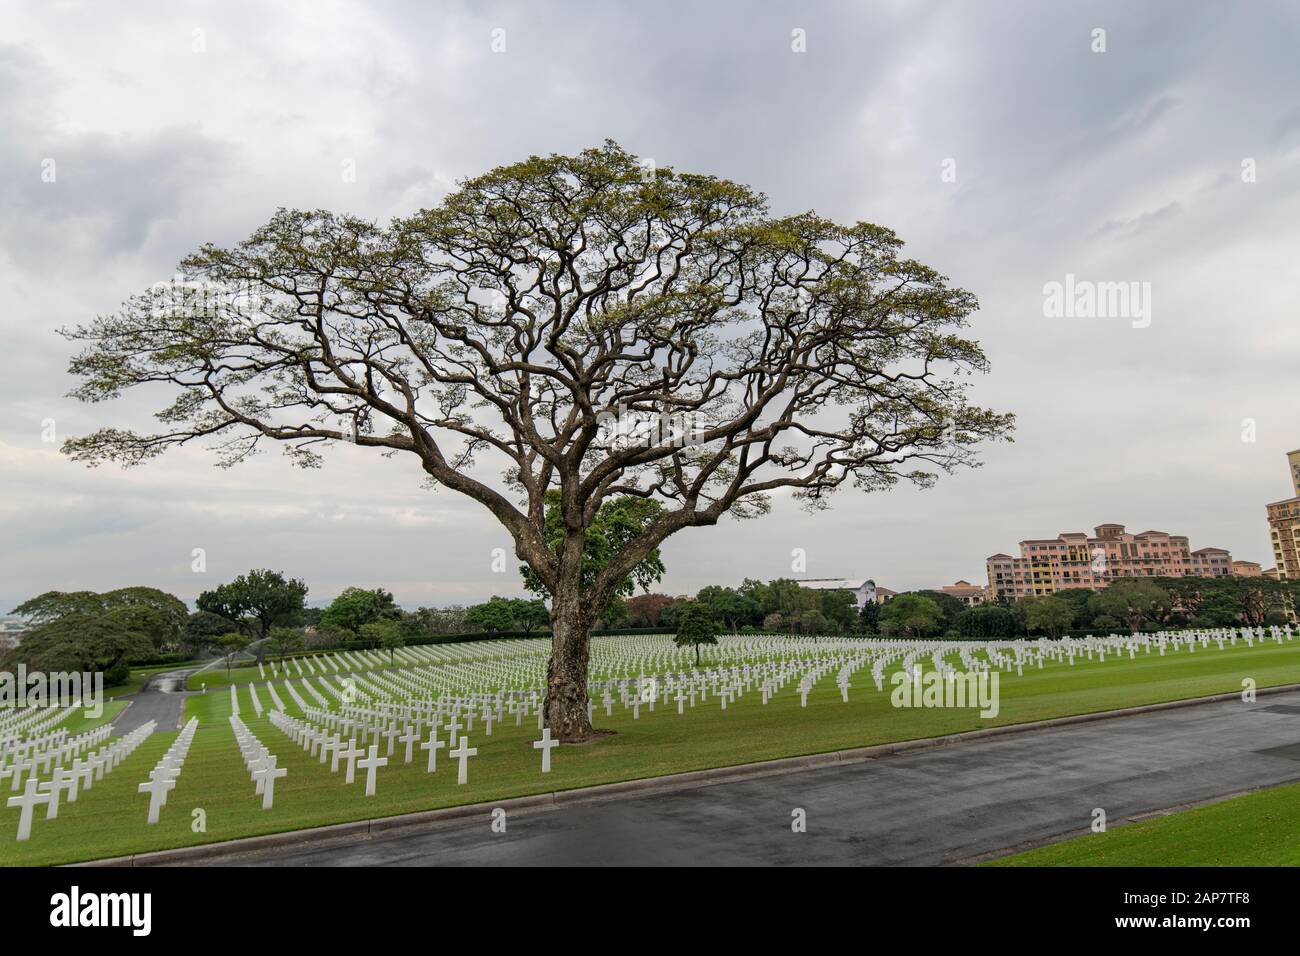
<point x="566" y="675"/>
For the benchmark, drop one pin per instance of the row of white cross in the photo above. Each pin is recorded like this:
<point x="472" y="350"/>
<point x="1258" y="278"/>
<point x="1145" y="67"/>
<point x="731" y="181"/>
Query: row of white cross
<point x="163" y="777"/>
<point x="33" y="728"/>
<point x="345" y="753"/>
<point x="258" y="761"/>
<point x="438" y="685"/>
<point x="49" y="750"/>
<point x="82" y="775"/>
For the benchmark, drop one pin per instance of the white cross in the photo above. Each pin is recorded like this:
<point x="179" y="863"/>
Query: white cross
<point x="463" y="753"/>
<point x="28" y="800"/>
<point x="66" y="780"/>
<point x="452" y="727"/>
<point x="157" y="789"/>
<point x="51" y="788"/>
<point x="391" y="733"/>
<point x="21" y="766"/>
<point x="263" y="760"/>
<point x="433" y="745"/>
<point x="546" y="745"/>
<point x="370" y="764"/>
<point x="266" y="779"/>
<point x="409" y="738"/>
<point x="350" y="753"/>
<point x="329" y="747"/>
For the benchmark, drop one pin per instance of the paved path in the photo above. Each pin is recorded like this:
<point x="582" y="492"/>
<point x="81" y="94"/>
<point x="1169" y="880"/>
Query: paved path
<point x="923" y="808"/>
<point x="161" y="698"/>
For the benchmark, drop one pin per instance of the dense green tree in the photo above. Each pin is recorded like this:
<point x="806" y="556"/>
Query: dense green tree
<point x="81" y="642"/>
<point x="56" y="604"/>
<point x="671" y="616"/>
<point x="384" y="632"/>
<point x="232" y="645"/>
<point x="616" y="523"/>
<point x="1133" y="602"/>
<point x="615" y="614"/>
<point x="759" y="594"/>
<point x="987" y="621"/>
<point x="434" y="620"/>
<point x="355" y="607"/>
<point x="839" y="609"/>
<point x="1080" y="601"/>
<point x="728" y="606"/>
<point x="1048" y="614"/>
<point x="950" y="606"/>
<point x="201" y="631"/>
<point x="696" y="627"/>
<point x="1218" y="610"/>
<point x="788" y="597"/>
<point x="159" y="616"/>
<point x="1260" y="598"/>
<point x="912" y="615"/>
<point x="812" y="621"/>
<point x="257" y="601"/>
<point x="869" y="618"/>
<point x="283" y="641"/>
<point x="494" y="614"/>
<point x="534" y="615"/>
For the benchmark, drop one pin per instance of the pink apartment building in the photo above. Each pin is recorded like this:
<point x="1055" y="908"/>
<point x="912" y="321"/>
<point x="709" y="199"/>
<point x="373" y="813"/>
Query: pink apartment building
<point x="1075" y="560"/>
<point x="1284" y="526"/>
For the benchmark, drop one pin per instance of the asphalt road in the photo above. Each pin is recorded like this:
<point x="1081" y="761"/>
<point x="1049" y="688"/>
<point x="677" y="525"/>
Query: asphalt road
<point x="161" y="698"/>
<point x="929" y="807"/>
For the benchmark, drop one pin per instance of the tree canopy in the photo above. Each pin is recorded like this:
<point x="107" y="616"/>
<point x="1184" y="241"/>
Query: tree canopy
<point x="617" y="522"/>
<point x="158" y="616"/>
<point x="696" y="627"/>
<point x="912" y="615"/>
<point x="256" y="602"/>
<point x="354" y="607"/>
<point x="1047" y="614"/>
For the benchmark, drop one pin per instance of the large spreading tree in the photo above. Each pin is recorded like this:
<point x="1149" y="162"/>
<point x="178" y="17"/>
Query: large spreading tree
<point x="590" y="325"/>
<point x="256" y="602"/>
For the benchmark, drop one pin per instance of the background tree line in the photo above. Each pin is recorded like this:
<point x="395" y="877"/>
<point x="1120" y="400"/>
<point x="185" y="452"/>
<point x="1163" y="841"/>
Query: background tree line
<point x="264" y="613"/>
<point x="1129" y="604"/>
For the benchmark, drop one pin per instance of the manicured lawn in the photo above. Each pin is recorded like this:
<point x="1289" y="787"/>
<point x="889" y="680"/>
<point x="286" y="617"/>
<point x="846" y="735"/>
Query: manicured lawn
<point x="218" y="677"/>
<point x="1258" y="829"/>
<point x="80" y="723"/>
<point x="110" y="819"/>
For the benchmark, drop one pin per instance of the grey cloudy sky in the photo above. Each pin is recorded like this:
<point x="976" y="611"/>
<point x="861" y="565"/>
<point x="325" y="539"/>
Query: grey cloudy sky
<point x="1117" y="166"/>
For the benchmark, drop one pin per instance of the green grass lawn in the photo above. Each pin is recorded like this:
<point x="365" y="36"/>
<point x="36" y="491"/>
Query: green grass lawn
<point x="109" y="820"/>
<point x="81" y="722"/>
<point x="217" y="676"/>
<point x="1258" y="829"/>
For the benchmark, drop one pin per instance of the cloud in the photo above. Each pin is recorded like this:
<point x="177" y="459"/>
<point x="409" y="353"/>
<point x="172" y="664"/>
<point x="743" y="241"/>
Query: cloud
<point x="1116" y="166"/>
<point x="1133" y="225"/>
<point x="72" y="195"/>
